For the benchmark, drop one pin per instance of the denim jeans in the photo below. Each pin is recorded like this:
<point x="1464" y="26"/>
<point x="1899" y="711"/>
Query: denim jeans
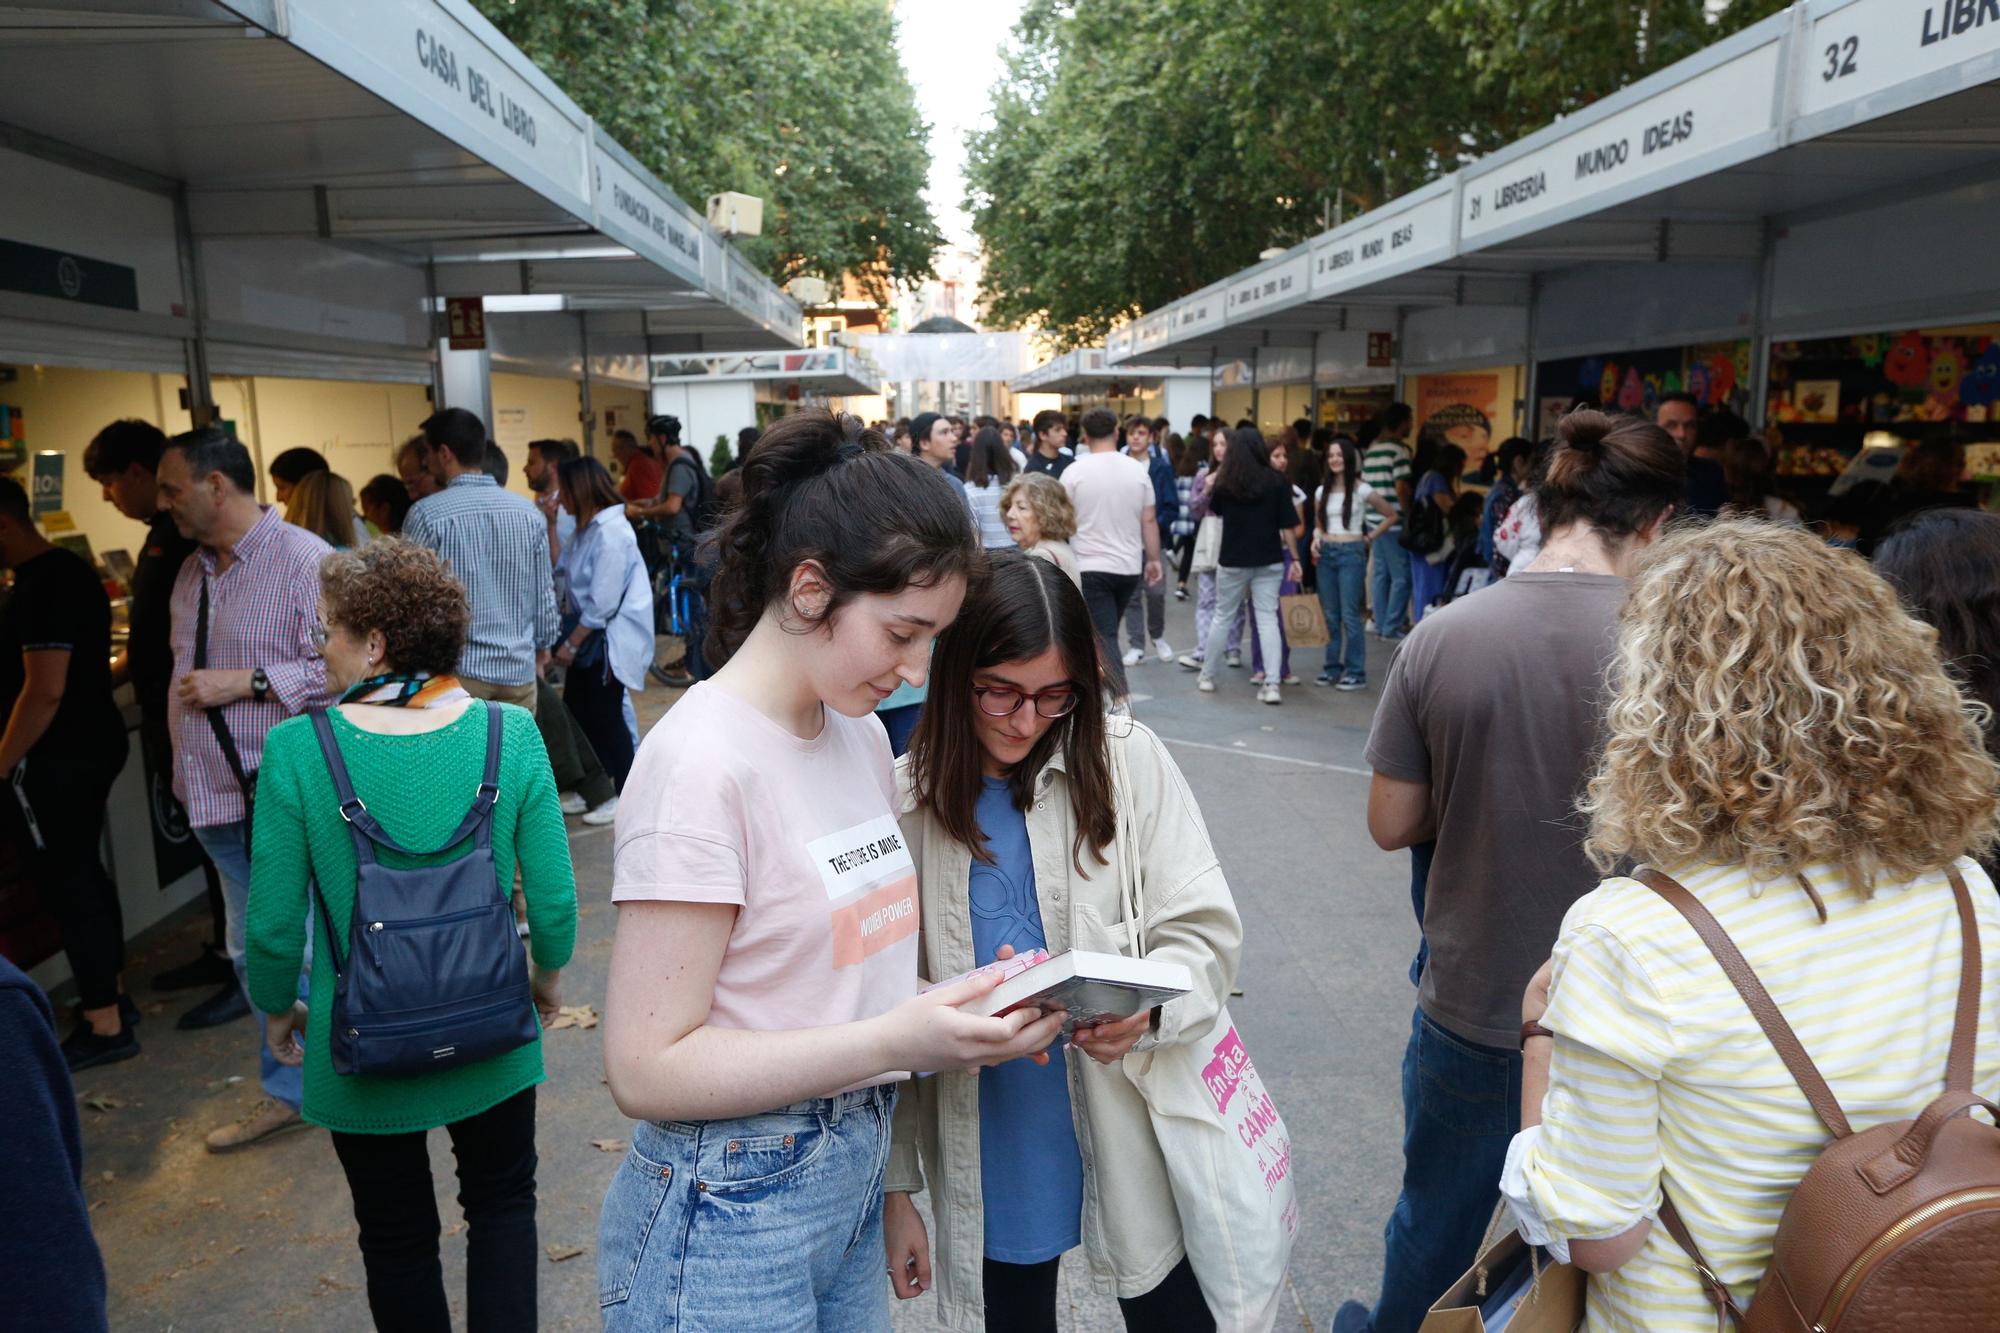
<point x="1390" y="586"/>
<point x="1343" y="576"/>
<point x="771" y="1222"/>
<point x="1461" y="1108"/>
<point x="1426" y="584"/>
<point x="224" y="845"/>
<point x="1233" y="583"/>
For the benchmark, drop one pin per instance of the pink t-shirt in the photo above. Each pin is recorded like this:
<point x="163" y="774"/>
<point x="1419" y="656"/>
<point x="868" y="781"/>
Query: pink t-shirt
<point x="723" y="805"/>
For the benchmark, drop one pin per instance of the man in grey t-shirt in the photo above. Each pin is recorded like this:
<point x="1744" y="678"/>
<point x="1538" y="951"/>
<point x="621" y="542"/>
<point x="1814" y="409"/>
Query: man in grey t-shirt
<point x="1485" y="731"/>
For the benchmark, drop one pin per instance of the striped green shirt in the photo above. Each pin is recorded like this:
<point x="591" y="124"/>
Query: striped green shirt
<point x="1386" y="463"/>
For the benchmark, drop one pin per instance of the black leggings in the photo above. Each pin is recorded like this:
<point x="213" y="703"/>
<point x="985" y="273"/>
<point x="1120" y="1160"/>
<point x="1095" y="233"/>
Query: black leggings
<point x="1187" y="558"/>
<point x="1021" y="1298"/>
<point x="596" y="700"/>
<point x="56" y="815"/>
<point x="395" y="1203"/>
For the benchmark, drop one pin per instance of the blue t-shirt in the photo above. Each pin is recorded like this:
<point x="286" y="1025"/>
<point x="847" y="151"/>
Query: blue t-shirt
<point x="1030" y="1171"/>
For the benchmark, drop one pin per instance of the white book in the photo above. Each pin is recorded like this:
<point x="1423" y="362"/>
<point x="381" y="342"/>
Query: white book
<point x="1091" y="987"/>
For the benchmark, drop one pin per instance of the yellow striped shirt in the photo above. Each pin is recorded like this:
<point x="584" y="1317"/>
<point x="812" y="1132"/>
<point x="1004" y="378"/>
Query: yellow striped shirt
<point x="1660" y="1074"/>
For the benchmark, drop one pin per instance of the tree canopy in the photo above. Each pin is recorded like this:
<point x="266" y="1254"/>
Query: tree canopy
<point x="1143" y="148"/>
<point x="801" y="102"/>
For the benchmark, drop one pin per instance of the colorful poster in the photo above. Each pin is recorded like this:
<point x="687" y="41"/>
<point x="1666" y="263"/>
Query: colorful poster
<point x="1461" y="409"/>
<point x="47" y="479"/>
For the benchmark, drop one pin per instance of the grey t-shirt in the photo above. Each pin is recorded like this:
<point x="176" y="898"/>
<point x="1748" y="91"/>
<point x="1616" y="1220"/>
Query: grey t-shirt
<point x="680" y="480"/>
<point x="1495" y="702"/>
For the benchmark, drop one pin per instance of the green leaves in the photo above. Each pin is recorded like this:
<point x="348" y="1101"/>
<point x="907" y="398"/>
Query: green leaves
<point x="1142" y="149"/>
<point x="803" y="103"/>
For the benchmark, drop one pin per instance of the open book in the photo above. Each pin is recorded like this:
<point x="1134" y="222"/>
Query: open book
<point x="1091" y="987"/>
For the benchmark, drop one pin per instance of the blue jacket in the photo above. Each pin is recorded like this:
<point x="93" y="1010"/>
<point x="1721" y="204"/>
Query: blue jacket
<point x="1166" y="492"/>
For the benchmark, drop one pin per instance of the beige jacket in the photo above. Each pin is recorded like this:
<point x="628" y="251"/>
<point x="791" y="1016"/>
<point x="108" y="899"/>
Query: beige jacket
<point x="1131" y="1233"/>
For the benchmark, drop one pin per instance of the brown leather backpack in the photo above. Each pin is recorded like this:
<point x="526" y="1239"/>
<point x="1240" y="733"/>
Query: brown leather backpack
<point x="1894" y="1228"/>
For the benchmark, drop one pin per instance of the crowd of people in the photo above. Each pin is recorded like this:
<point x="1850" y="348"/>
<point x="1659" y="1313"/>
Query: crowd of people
<point x="1624" y="671"/>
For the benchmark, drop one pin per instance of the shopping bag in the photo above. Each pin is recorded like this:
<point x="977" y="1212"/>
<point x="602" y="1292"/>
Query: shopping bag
<point x="1228" y="1153"/>
<point x="1511" y="1289"/>
<point x="1305" y="621"/>
<point x="1207" y="546"/>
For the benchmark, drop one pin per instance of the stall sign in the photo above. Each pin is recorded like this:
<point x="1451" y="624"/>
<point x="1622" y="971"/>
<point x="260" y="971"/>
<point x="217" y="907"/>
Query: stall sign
<point x="1381" y="348"/>
<point x="40" y="271"/>
<point x="1602" y="162"/>
<point x="443" y="66"/>
<point x="1864" y="48"/>
<point x="465" y="323"/>
<point x="1271" y="288"/>
<point x="1391" y="240"/>
<point x="47" y="490"/>
<point x="631" y="209"/>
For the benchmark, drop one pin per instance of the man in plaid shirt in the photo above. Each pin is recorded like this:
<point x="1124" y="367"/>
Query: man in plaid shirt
<point x="245" y="612"/>
<point x="497" y="543"/>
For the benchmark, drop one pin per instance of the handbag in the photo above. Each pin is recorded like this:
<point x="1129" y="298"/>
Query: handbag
<point x="1227" y="1151"/>
<point x="1423" y="530"/>
<point x="445" y="980"/>
<point x="1510" y="1288"/>
<point x="1303" y="620"/>
<point x="1207" y="546"/>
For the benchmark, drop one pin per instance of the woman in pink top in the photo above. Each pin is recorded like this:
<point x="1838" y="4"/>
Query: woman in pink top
<point x="762" y="1004"/>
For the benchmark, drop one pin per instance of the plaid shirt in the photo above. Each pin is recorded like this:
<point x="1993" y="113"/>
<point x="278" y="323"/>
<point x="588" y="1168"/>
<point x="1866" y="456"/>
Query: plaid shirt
<point x="498" y="545"/>
<point x="261" y="613"/>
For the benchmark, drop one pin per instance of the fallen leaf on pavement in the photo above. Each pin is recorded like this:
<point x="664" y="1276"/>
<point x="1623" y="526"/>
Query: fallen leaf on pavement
<point x="558" y="1253"/>
<point x="102" y="1101"/>
<point x="454" y="1228"/>
<point x="212" y="1201"/>
<point x="608" y="1145"/>
<point x="574" y="1016"/>
<point x="107" y="1176"/>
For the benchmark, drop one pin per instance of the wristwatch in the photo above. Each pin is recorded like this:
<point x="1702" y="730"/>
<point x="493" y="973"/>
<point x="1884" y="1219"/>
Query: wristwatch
<point x="260" y="684"/>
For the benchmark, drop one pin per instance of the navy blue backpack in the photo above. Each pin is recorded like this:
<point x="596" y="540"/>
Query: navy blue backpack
<point x="435" y="974"/>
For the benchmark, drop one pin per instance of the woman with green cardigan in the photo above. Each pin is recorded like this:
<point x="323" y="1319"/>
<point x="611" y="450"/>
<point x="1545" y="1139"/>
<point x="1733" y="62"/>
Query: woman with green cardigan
<point x="414" y="743"/>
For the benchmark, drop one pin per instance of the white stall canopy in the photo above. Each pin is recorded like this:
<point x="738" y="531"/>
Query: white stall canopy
<point x="326" y="169"/>
<point x="817" y="373"/>
<point x="1083" y="370"/>
<point x="1742" y="192"/>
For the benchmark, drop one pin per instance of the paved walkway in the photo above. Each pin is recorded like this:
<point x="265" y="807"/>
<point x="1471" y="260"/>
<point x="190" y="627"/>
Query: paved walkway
<point x="264" y="1240"/>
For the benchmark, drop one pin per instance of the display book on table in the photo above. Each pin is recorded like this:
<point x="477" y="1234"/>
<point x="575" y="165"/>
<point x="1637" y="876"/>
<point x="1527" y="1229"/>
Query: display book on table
<point x="1092" y="988"/>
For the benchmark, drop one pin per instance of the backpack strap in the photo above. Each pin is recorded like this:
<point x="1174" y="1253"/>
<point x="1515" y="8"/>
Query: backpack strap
<point x="1965" y="1028"/>
<point x="1762" y="1007"/>
<point x="1727" y="1311"/>
<point x="363" y="825"/>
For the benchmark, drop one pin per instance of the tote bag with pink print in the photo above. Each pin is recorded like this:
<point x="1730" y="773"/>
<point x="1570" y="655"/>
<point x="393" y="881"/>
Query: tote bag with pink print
<point x="1228" y="1153"/>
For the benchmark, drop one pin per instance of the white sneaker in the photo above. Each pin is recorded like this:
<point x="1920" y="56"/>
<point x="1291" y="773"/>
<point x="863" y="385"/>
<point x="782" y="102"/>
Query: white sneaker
<point x="1190" y="661"/>
<point x="572" y="804"/>
<point x="1205" y="685"/>
<point x="1164" y="650"/>
<point x="1269" y="694"/>
<point x="603" y="814"/>
<point x="1134" y="656"/>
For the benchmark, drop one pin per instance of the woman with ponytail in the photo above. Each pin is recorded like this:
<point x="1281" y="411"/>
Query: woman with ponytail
<point x="1484" y="735"/>
<point x="762" y="1007"/>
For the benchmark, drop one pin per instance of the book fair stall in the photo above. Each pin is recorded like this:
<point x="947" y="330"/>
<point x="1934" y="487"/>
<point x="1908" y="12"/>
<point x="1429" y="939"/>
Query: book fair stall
<point x="1788" y="224"/>
<point x="316" y="226"/>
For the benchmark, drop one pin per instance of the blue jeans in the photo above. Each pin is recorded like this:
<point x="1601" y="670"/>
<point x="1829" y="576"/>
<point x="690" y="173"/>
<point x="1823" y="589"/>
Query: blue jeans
<point x="1390" y="585"/>
<point x="771" y="1222"/>
<point x="1426" y="584"/>
<point x="1343" y="575"/>
<point x="1461" y="1108"/>
<point x="224" y="845"/>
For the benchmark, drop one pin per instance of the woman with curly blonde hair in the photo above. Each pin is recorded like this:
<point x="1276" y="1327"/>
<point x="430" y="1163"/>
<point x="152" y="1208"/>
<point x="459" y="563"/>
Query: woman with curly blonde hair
<point x="1783" y="741"/>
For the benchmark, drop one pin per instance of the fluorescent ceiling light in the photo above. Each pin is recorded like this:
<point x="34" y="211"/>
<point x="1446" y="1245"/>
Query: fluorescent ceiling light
<point x="514" y="305"/>
<point x="523" y="254"/>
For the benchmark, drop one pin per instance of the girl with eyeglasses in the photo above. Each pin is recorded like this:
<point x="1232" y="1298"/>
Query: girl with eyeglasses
<point x="1010" y="811"/>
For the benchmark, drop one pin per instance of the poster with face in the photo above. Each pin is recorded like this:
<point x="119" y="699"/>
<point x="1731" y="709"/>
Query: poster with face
<point x="1459" y="409"/>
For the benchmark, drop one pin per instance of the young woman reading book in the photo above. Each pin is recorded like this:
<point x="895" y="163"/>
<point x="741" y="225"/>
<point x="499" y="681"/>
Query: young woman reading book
<point x="1010" y="814"/>
<point x="762" y="1001"/>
